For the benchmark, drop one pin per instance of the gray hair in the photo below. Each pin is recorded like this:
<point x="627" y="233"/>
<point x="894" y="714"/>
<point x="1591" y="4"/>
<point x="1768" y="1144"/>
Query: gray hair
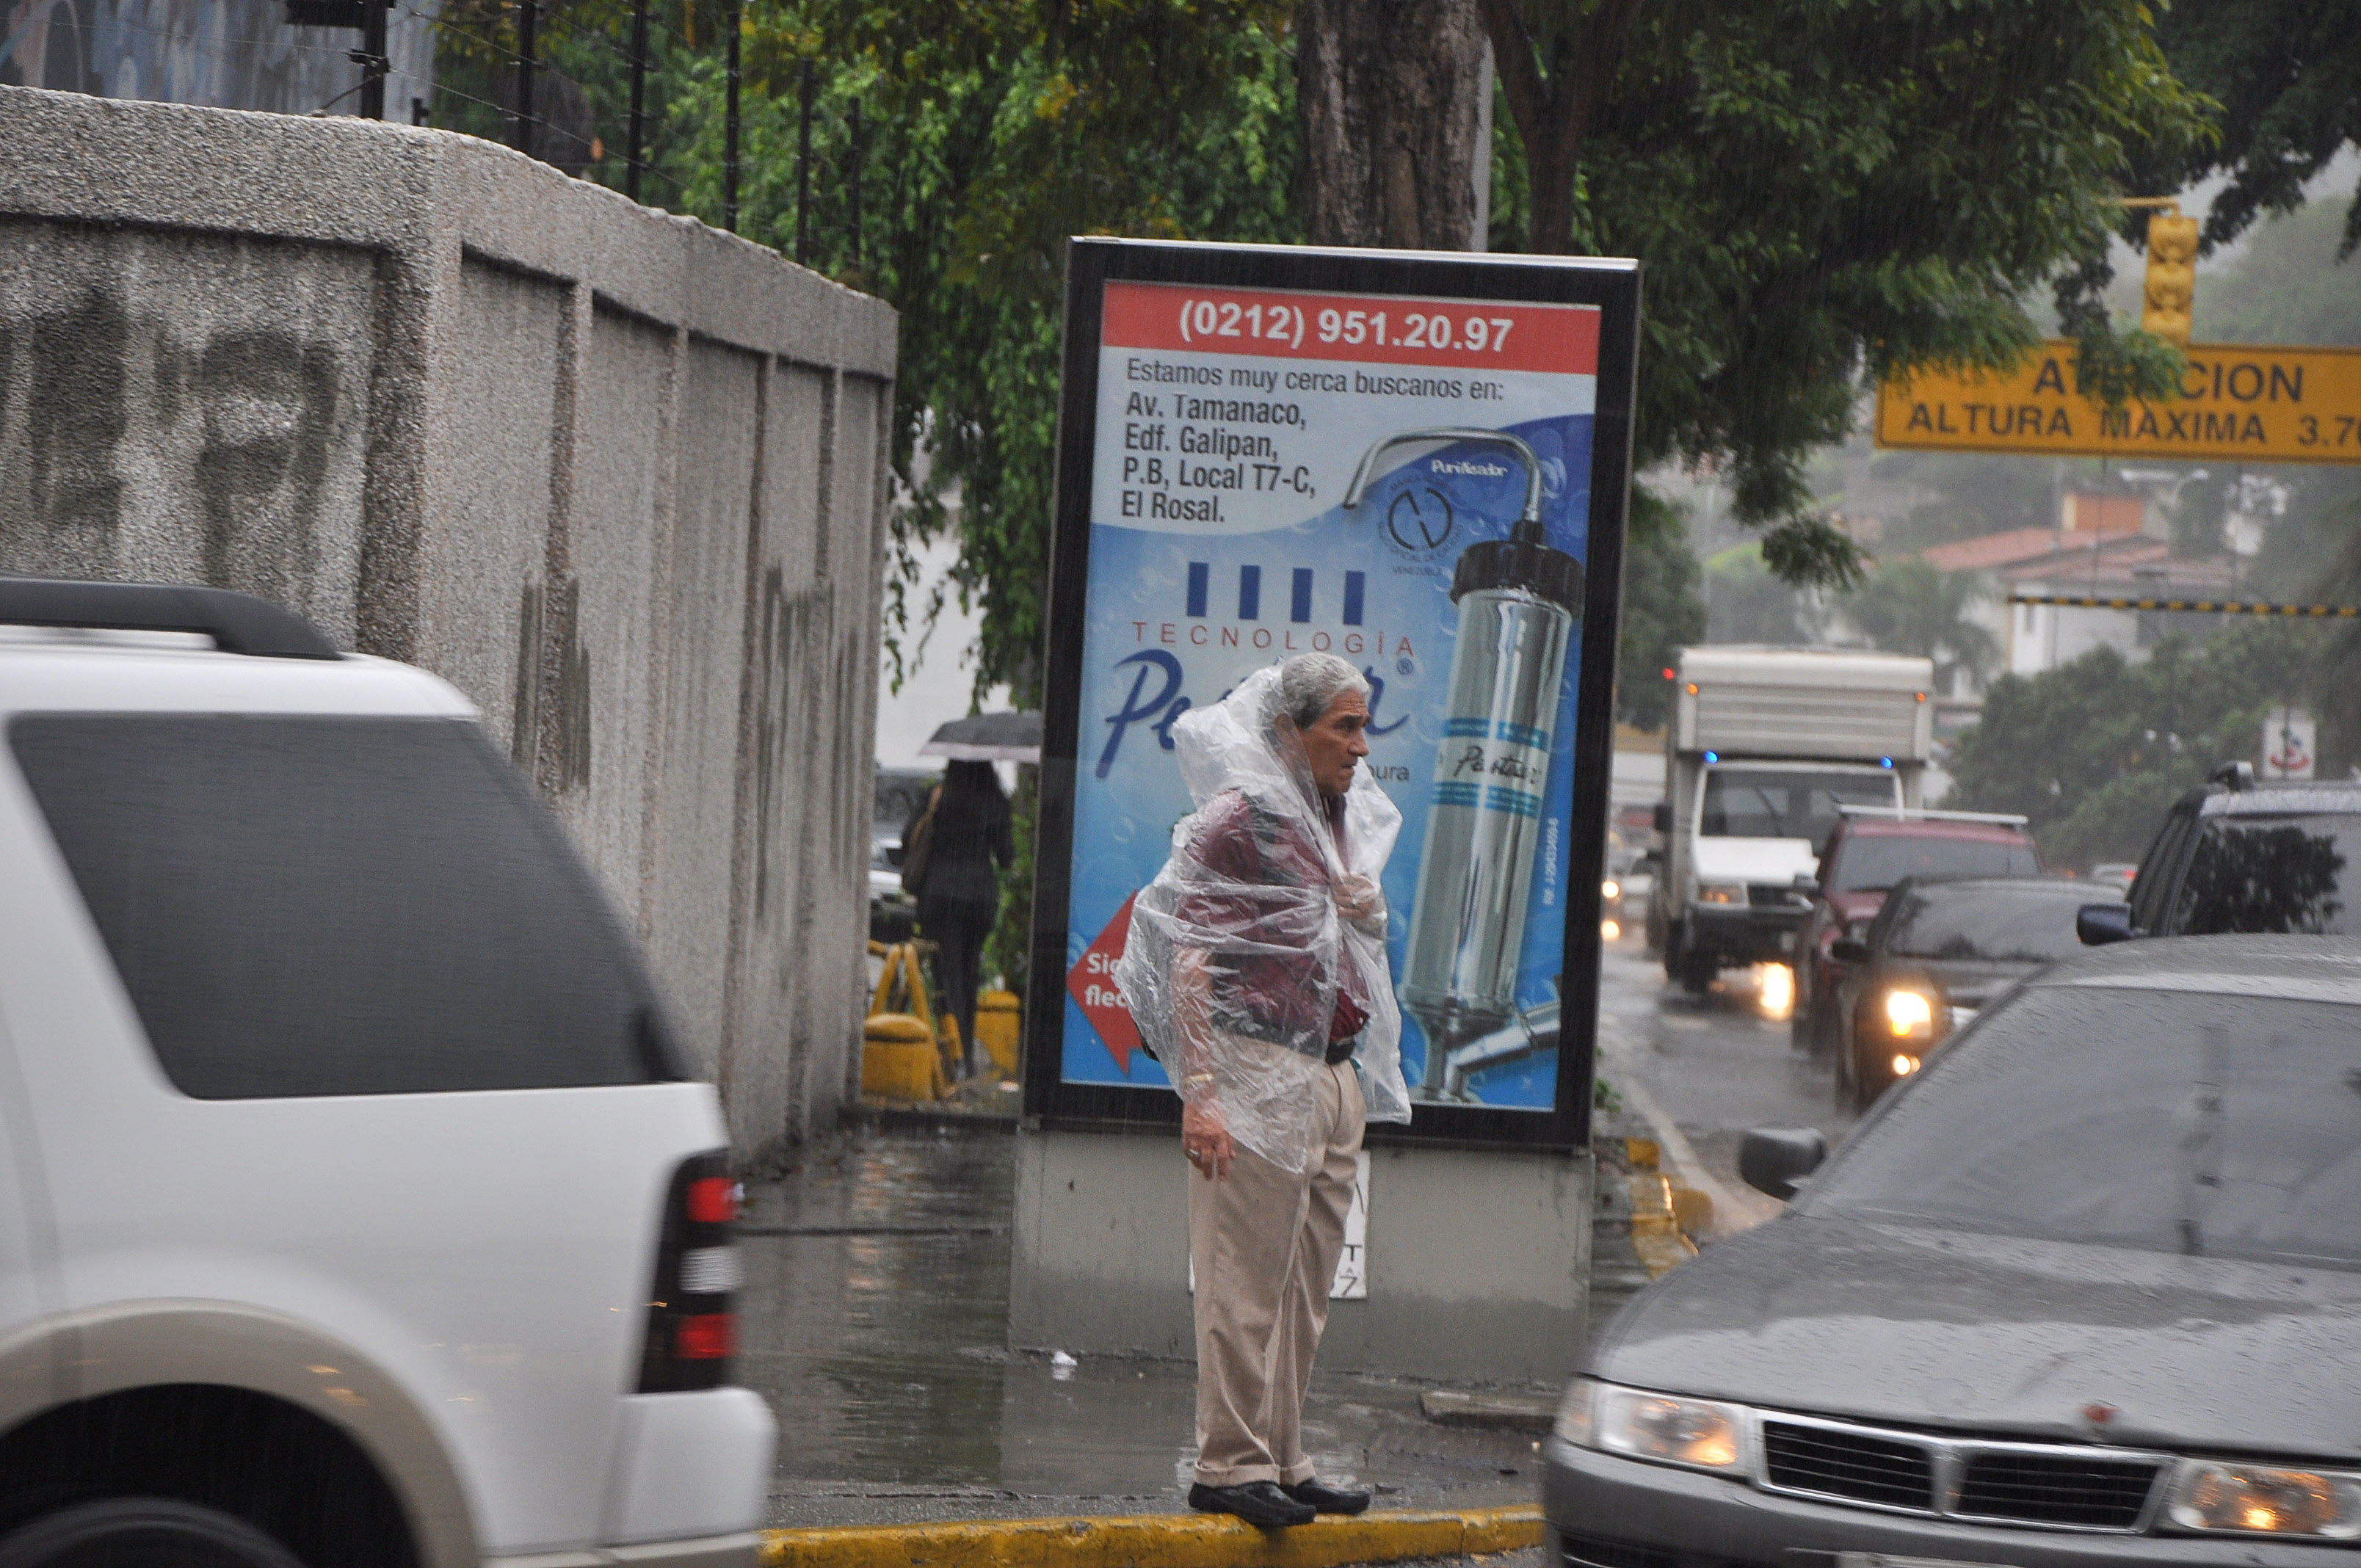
<point x="1308" y="682"/>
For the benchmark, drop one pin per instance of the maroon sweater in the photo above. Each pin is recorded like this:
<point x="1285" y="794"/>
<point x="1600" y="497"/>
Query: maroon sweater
<point x="1264" y="976"/>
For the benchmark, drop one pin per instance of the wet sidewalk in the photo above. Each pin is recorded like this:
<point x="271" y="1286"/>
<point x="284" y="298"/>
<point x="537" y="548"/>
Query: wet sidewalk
<point x="875" y="1320"/>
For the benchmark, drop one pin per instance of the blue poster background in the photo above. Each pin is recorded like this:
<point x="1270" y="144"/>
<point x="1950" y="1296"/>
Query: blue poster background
<point x="1176" y="618"/>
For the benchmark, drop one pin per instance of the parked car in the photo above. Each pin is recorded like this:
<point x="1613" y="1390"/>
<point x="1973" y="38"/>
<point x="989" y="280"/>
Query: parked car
<point x="2087" y="1290"/>
<point x="359" y="1206"/>
<point x="2235" y="856"/>
<point x="1938" y="950"/>
<point x="1866" y="853"/>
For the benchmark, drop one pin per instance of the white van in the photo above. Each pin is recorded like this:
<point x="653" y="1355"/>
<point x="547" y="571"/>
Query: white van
<point x="356" y="1210"/>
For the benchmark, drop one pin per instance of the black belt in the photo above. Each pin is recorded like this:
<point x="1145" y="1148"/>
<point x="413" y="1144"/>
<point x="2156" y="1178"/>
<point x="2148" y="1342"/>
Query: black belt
<point x="1342" y="1050"/>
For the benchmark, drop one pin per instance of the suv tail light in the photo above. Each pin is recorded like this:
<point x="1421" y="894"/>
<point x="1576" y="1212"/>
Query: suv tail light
<point x="692" y="1305"/>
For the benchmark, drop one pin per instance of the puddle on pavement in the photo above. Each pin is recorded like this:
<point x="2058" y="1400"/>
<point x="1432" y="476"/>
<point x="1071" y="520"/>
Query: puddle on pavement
<point x="875" y="1321"/>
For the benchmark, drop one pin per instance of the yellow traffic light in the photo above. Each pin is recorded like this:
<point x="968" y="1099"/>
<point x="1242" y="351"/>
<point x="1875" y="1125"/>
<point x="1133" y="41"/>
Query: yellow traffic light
<point x="2171" y="276"/>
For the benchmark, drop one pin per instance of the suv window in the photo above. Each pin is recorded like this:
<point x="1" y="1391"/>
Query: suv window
<point x="1867" y="861"/>
<point x="2154" y="881"/>
<point x="340" y="905"/>
<point x="2225" y="1126"/>
<point x="2268" y="875"/>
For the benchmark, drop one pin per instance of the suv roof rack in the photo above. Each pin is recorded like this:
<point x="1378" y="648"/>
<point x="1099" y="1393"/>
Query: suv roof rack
<point x="1920" y="814"/>
<point x="238" y="623"/>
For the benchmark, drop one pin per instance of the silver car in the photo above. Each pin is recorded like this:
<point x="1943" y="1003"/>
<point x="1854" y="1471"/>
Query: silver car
<point x="2085" y="1291"/>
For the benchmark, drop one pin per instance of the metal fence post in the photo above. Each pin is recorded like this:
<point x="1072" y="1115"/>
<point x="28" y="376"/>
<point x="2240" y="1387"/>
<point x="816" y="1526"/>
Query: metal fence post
<point x="803" y="175"/>
<point x="526" y="10"/>
<point x="729" y="133"/>
<point x="855" y="192"/>
<point x="374" y="68"/>
<point x="638" y="140"/>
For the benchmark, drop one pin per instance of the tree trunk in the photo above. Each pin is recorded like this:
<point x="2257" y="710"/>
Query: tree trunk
<point x="1388" y="90"/>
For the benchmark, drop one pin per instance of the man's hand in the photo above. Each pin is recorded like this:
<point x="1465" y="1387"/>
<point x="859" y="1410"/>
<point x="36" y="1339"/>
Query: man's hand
<point x="1206" y="1138"/>
<point x="1357" y="897"/>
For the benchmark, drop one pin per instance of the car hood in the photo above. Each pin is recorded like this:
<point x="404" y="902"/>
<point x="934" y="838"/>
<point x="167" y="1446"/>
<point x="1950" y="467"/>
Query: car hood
<point x="1752" y="860"/>
<point x="1959" y="983"/>
<point x="1862" y="903"/>
<point x="1924" y="1327"/>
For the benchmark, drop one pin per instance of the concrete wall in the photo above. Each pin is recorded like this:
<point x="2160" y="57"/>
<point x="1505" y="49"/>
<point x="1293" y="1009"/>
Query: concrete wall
<point x="1478" y="1260"/>
<point x="617" y="476"/>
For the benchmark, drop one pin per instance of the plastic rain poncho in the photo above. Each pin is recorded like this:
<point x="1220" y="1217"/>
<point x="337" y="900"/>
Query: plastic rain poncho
<point x="1260" y="918"/>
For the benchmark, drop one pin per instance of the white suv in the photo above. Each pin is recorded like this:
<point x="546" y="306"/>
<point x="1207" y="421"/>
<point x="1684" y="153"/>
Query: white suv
<point x="355" y="1211"/>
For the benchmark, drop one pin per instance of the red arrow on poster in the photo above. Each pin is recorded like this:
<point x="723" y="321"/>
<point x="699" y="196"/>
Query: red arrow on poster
<point x="1090" y="984"/>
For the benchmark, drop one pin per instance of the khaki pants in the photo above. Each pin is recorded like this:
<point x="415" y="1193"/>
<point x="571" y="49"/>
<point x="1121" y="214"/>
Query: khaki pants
<point x="1264" y="1244"/>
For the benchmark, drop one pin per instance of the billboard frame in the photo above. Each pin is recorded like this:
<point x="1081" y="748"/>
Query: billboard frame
<point x="1612" y="285"/>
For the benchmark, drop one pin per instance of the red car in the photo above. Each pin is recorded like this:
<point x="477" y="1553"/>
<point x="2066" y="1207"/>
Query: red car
<point x="1868" y="851"/>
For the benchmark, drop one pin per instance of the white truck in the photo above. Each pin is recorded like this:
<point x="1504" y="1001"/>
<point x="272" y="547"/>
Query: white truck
<point x="1763" y="745"/>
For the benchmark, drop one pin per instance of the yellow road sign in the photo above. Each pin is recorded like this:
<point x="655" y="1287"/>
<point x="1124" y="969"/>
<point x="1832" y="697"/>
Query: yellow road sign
<point x="2240" y="403"/>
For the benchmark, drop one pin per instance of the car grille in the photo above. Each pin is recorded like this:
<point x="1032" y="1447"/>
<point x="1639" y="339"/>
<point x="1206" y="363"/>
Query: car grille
<point x="1775" y="896"/>
<point x="2099" y="1493"/>
<point x="1838" y="1463"/>
<point x="2054" y="1486"/>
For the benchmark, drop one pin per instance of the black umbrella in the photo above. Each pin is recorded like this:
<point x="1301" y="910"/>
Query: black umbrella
<point x="988" y="737"/>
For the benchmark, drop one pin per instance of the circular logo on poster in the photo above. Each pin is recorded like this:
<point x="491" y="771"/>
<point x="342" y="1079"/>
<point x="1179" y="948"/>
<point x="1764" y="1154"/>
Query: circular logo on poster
<point x="1419" y="520"/>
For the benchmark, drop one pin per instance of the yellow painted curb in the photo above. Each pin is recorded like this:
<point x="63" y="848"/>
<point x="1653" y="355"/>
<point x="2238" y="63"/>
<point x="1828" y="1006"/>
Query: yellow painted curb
<point x="1155" y="1541"/>
<point x="1655" y="1226"/>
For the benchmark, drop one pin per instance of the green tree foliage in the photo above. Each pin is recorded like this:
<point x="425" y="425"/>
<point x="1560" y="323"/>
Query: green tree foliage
<point x="1661" y="610"/>
<point x="2095" y="751"/>
<point x="2287" y="77"/>
<point x="1907" y="606"/>
<point x="1825" y="187"/>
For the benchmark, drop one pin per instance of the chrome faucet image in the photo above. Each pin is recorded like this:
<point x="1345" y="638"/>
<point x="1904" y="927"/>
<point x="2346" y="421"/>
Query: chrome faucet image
<point x="1518" y="600"/>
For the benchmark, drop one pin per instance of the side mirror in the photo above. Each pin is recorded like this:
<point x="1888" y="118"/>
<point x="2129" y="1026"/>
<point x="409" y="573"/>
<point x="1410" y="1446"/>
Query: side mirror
<point x="2099" y="924"/>
<point x="1777" y="1159"/>
<point x="1848" y="951"/>
<point x="1663" y="816"/>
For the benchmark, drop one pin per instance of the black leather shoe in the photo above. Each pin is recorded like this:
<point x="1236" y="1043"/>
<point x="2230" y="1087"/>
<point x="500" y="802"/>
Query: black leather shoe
<point x="1261" y="1503"/>
<point x="1327" y="1499"/>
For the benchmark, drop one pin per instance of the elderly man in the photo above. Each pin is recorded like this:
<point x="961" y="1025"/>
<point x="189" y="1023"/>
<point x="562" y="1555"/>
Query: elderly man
<point x="1256" y="969"/>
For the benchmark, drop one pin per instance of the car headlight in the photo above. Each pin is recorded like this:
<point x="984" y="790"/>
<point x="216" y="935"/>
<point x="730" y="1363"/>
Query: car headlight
<point x="2258" y="1499"/>
<point x="1910" y="1013"/>
<point x="1721" y="893"/>
<point x="1670" y="1429"/>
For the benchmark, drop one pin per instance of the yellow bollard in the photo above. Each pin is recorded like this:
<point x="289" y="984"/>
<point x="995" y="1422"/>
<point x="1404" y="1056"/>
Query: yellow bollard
<point x="898" y="1059"/>
<point x="998" y="1028"/>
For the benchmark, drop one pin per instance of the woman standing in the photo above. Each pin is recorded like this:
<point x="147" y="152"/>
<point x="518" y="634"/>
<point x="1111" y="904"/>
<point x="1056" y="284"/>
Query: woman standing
<point x="958" y="887"/>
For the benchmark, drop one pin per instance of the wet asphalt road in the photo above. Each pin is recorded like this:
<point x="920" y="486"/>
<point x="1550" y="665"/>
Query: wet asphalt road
<point x="875" y="1310"/>
<point x="1694" y="1073"/>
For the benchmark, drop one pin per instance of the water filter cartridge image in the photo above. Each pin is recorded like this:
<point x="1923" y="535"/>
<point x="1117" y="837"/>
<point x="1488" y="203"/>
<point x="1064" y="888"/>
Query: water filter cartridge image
<point x="1518" y="601"/>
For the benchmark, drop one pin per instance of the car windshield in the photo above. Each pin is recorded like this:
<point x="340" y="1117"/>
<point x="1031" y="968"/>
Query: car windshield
<point x="2265" y="875"/>
<point x="2221" y="1126"/>
<point x="2030" y="923"/>
<point x="1874" y="861"/>
<point x="1779" y="803"/>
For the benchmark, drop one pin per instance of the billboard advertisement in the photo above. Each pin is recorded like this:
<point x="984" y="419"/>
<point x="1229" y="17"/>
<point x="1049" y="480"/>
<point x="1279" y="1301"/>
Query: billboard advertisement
<point x="1415" y="462"/>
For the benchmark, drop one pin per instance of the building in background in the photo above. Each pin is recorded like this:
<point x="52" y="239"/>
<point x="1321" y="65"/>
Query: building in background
<point x="229" y="54"/>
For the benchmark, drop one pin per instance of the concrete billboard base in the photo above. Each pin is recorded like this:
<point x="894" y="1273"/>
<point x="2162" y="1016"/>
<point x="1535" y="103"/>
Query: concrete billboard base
<point x="1478" y="1260"/>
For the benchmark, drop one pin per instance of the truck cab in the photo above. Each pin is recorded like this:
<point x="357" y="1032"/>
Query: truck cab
<point x="1765" y="747"/>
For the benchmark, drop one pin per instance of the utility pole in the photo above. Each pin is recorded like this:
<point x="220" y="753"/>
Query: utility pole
<point x="803" y="175"/>
<point x="729" y="133"/>
<point x="637" y="136"/>
<point x="526" y="10"/>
